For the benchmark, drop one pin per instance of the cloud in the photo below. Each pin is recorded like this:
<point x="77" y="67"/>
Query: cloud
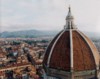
<point x="48" y="14"/>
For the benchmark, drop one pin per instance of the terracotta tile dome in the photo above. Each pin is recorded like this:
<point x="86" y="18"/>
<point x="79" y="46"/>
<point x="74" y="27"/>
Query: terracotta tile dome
<point x="85" y="54"/>
<point x="71" y="51"/>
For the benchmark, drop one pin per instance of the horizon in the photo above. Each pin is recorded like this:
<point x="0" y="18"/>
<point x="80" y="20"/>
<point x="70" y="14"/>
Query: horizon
<point x="49" y="31"/>
<point x="48" y="15"/>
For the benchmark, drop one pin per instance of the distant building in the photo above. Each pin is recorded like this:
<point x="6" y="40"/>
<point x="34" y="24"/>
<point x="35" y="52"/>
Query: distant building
<point x="71" y="55"/>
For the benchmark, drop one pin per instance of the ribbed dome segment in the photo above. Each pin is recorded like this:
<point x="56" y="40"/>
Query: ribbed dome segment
<point x="49" y="49"/>
<point x="61" y="52"/>
<point x="83" y="55"/>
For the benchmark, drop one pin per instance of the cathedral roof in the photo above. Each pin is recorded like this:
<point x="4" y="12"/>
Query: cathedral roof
<point x="71" y="50"/>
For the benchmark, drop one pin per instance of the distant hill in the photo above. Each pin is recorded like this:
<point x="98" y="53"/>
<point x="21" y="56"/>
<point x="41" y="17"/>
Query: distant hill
<point x="38" y="33"/>
<point x="27" y="34"/>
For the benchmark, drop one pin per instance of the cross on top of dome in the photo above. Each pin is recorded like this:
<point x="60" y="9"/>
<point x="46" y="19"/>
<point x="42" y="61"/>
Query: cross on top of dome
<point x="70" y="20"/>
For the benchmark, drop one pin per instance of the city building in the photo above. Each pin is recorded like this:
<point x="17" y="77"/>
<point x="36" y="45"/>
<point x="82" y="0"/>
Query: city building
<point x="71" y="55"/>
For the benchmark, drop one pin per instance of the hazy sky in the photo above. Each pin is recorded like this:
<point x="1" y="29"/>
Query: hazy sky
<point x="48" y="14"/>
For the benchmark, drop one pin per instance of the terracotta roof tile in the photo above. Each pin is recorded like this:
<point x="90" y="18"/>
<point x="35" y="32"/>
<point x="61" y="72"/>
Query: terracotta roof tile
<point x="83" y="57"/>
<point x="49" y="49"/>
<point x="60" y="58"/>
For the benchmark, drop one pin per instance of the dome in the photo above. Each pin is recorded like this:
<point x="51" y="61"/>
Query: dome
<point x="70" y="52"/>
<point x="58" y="53"/>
